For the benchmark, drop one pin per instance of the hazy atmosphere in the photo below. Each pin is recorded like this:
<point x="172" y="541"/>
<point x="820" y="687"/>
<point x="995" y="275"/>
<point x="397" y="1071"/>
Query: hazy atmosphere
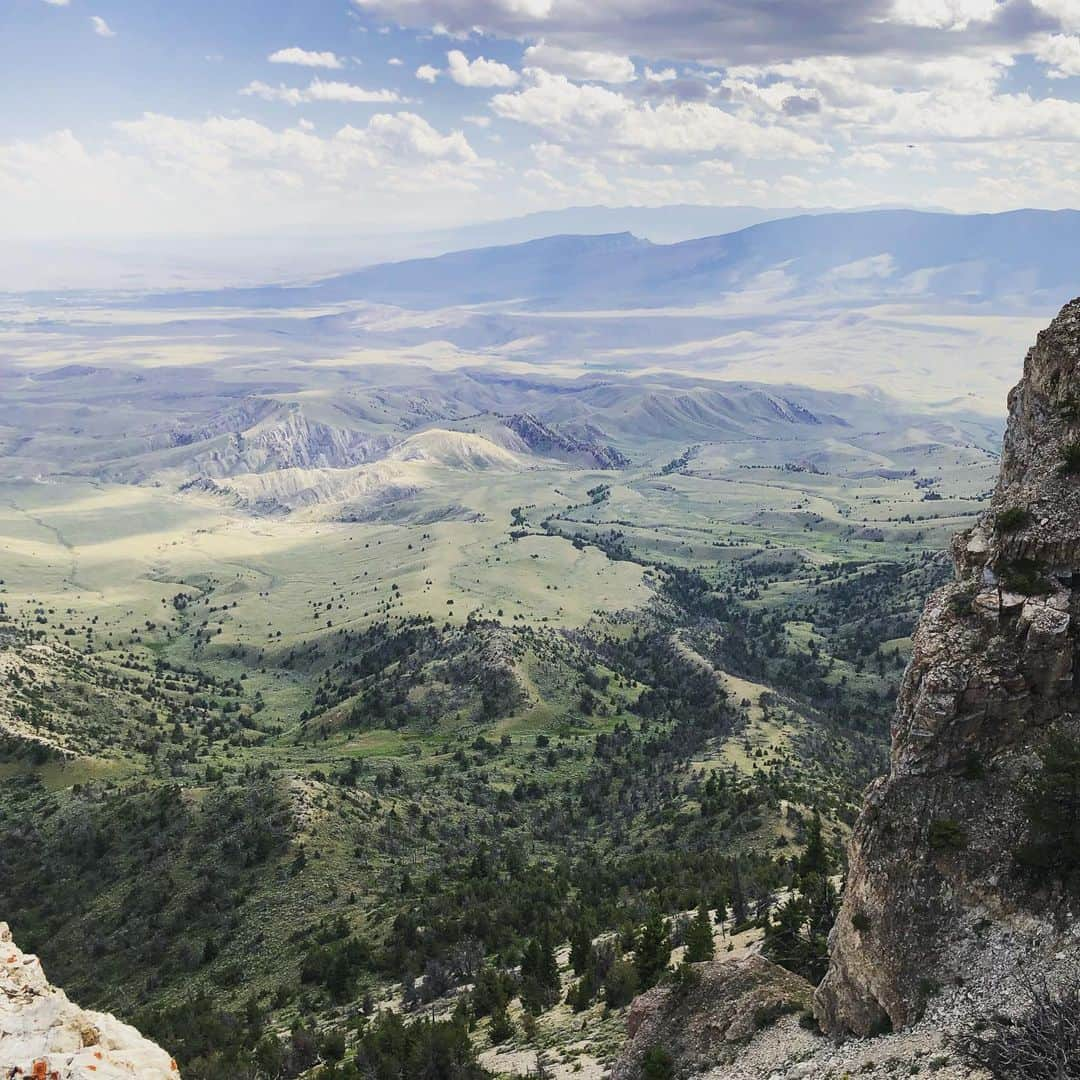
<point x="539" y="539"/>
<point x="255" y="115"/>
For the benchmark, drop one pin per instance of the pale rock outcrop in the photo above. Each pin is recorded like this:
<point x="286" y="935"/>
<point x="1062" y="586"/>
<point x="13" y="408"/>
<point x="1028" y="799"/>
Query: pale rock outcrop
<point x="46" y="1037"/>
<point x="994" y="669"/>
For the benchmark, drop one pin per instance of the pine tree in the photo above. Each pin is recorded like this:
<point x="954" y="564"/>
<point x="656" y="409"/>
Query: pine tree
<point x="738" y="896"/>
<point x="540" y="986"/>
<point x="581" y="947"/>
<point x="797" y="936"/>
<point x="699" y="938"/>
<point x="652" y="950"/>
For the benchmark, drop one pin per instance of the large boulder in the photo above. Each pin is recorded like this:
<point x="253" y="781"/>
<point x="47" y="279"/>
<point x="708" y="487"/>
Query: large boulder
<point x="708" y="1016"/>
<point x="46" y="1037"/>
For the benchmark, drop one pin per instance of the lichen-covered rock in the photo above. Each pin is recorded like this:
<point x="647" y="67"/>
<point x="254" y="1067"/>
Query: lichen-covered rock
<point x="45" y="1037"/>
<point x="994" y="665"/>
<point x="709" y="1017"/>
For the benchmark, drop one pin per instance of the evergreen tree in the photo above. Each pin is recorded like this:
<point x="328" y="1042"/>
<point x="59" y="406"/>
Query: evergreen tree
<point x="699" y="938"/>
<point x="501" y="1027"/>
<point x="581" y="947"/>
<point x="540" y="986"/>
<point x="738" y="896"/>
<point x="797" y="936"/>
<point x="652" y="950"/>
<point x="720" y="905"/>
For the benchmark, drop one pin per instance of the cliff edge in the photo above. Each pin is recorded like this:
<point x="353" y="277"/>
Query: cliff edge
<point x="46" y="1037"/>
<point x="954" y="880"/>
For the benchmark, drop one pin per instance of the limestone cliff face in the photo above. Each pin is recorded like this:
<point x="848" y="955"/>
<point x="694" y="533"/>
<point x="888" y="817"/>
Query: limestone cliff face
<point x="993" y="670"/>
<point x="45" y="1037"/>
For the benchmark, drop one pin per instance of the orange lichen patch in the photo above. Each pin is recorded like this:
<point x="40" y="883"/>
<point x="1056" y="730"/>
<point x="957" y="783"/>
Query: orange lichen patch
<point x="41" y="1069"/>
<point x="173" y="1066"/>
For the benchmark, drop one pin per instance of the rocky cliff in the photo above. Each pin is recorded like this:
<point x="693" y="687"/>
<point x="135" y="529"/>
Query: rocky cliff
<point x="938" y="893"/>
<point x="46" y="1037"/>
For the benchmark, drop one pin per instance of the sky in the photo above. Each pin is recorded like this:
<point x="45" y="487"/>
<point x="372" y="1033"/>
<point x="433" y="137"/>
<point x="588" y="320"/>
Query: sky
<point x="131" y="117"/>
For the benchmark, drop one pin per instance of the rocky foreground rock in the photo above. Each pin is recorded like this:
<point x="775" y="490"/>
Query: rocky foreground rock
<point x="936" y="897"/>
<point x="710" y="1017"/>
<point x="45" y="1037"/>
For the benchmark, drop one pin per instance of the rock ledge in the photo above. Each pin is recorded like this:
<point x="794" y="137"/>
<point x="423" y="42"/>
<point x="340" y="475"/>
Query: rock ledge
<point x="45" y="1036"/>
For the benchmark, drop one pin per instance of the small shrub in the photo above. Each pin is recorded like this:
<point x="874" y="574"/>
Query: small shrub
<point x="960" y="602"/>
<point x="1044" y="1044"/>
<point x="657" y="1064"/>
<point x="621" y="984"/>
<point x="1070" y="459"/>
<point x="1024" y="576"/>
<point x="974" y="766"/>
<point x="1052" y="805"/>
<point x="1015" y="517"/>
<point x="947" y="835"/>
<point x="767" y="1015"/>
<point x="684" y="980"/>
<point x="861" y="922"/>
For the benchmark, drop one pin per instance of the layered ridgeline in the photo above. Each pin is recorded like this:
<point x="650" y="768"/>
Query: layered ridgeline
<point x="965" y="861"/>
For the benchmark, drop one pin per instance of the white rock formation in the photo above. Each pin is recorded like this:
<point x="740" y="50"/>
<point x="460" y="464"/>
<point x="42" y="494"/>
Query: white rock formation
<point x="45" y="1037"/>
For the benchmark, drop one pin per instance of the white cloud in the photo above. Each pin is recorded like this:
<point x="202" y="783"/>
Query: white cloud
<point x="942" y="14"/>
<point x="581" y="64"/>
<point x="1060" y="53"/>
<point x="599" y="117"/>
<point x="427" y="73"/>
<point x="664" y="75"/>
<point x="724" y="32"/>
<point x="395" y="61"/>
<point x="304" y="58"/>
<point x="227" y="170"/>
<point x="717" y="167"/>
<point x="1067" y="12"/>
<point x="321" y="90"/>
<point x="58" y="3"/>
<point x="479" y="72"/>
<point x="101" y="27"/>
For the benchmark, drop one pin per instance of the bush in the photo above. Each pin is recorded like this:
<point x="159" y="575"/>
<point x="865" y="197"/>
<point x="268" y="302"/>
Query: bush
<point x="960" y="602"/>
<point x="1023" y="576"/>
<point x="947" y="835"/>
<point x="657" y="1064"/>
<point x="1015" y="517"/>
<point x="621" y="984"/>
<point x="1052" y="803"/>
<point x="1044" y="1044"/>
<point x="1070" y="459"/>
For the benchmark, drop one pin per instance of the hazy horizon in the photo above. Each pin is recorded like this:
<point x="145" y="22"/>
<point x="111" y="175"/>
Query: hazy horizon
<point x="142" y="119"/>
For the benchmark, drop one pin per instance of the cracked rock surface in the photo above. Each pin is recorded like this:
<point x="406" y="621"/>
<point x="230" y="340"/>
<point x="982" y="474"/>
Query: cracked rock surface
<point x="994" y="668"/>
<point x="45" y="1036"/>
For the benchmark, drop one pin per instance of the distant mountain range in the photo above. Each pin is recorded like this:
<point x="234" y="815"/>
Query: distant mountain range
<point x="306" y="253"/>
<point x="1019" y="261"/>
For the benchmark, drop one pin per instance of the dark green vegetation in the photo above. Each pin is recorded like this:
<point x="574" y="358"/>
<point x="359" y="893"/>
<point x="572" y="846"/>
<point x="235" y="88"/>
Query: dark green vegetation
<point x="1051" y="852"/>
<point x="255" y="844"/>
<point x="1012" y="519"/>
